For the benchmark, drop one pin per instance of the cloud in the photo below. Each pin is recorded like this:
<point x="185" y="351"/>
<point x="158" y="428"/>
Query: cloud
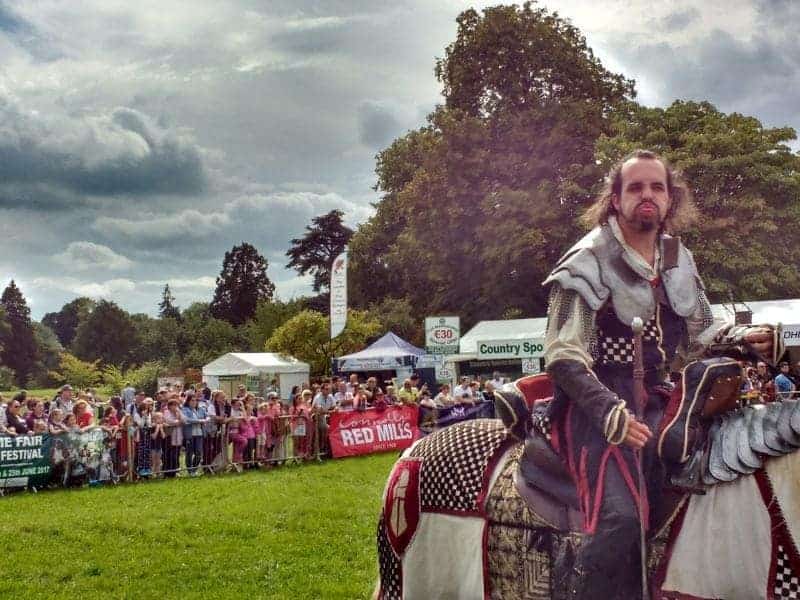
<point x="108" y="289"/>
<point x="377" y="124"/>
<point x="163" y="227"/>
<point x="679" y="20"/>
<point x="85" y="256"/>
<point x="121" y="151"/>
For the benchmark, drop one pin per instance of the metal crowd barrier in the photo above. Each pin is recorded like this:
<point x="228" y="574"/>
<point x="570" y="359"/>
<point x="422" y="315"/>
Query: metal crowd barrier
<point x="99" y="456"/>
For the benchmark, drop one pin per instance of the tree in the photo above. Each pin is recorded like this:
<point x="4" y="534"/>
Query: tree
<point x="241" y="285"/>
<point x="307" y="336"/>
<point x="65" y="322"/>
<point x="745" y="181"/>
<point x="5" y="328"/>
<point x="108" y="335"/>
<point x="167" y="308"/>
<point x="399" y="316"/>
<point x="50" y="350"/>
<point x="267" y="318"/>
<point x="20" y="352"/>
<point x="76" y="372"/>
<point x="323" y="241"/>
<point x="477" y="206"/>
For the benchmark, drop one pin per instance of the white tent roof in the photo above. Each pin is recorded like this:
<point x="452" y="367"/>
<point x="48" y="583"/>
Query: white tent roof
<point x="786" y="312"/>
<point x="509" y="329"/>
<point x="251" y="363"/>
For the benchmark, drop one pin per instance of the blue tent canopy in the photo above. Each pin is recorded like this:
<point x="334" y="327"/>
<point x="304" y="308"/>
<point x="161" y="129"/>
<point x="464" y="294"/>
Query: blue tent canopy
<point x="388" y="353"/>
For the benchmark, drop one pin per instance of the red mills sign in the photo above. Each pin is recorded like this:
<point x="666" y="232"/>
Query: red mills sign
<point x="362" y="432"/>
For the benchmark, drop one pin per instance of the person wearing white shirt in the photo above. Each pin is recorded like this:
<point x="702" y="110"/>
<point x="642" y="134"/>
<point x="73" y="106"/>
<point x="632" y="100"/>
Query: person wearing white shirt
<point x="497" y="381"/>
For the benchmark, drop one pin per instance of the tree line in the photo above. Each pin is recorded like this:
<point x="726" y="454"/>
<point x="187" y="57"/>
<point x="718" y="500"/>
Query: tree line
<point x="475" y="207"/>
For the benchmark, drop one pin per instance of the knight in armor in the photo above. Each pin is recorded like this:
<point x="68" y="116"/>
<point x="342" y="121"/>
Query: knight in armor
<point x="629" y="265"/>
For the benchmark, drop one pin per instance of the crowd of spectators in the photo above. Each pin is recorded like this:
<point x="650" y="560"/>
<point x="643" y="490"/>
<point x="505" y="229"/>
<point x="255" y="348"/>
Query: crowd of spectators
<point x="759" y="386"/>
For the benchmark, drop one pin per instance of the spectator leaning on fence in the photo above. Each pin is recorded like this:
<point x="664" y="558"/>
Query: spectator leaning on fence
<point x="443" y="399"/>
<point x="192" y="434"/>
<point x="173" y="419"/>
<point x="324" y="402"/>
<point x="143" y="419"/>
<point x="462" y="388"/>
<point x="783" y="385"/>
<point x="300" y="423"/>
<point x="408" y="395"/>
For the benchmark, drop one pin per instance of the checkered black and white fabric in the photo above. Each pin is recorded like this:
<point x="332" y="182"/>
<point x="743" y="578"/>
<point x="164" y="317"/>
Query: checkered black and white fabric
<point x="619" y="349"/>
<point x="390" y="567"/>
<point x="616" y="349"/>
<point x="650" y="332"/>
<point x="454" y="461"/>
<point x="787" y="584"/>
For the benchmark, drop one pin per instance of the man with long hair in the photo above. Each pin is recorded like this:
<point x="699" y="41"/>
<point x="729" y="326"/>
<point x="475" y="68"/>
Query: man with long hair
<point x="629" y="265"/>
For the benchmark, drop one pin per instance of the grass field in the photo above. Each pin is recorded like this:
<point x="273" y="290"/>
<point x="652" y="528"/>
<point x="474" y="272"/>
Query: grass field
<point x="294" y="532"/>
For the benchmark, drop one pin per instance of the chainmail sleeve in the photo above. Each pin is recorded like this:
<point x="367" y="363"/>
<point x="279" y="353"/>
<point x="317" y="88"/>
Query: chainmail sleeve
<point x="701" y="329"/>
<point x="571" y="332"/>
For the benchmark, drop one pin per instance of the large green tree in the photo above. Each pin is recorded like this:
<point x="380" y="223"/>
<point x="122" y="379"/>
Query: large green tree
<point x="307" y="336"/>
<point x="323" y="241"/>
<point x="109" y="335"/>
<point x="746" y="184"/>
<point x="50" y="350"/>
<point x="65" y="322"/>
<point x="479" y="204"/>
<point x="19" y="349"/>
<point x="241" y="285"/>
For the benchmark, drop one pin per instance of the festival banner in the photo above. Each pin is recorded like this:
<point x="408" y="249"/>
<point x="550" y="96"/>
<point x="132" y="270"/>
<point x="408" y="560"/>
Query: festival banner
<point x="363" y="432"/>
<point x="338" y="294"/>
<point x="64" y="459"/>
<point x="431" y="419"/>
<point x="24" y="460"/>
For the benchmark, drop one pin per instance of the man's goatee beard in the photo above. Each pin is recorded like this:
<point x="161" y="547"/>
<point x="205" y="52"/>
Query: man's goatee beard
<point x="645" y="226"/>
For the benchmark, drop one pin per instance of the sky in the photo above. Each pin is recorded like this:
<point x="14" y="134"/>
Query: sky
<point x="139" y="141"/>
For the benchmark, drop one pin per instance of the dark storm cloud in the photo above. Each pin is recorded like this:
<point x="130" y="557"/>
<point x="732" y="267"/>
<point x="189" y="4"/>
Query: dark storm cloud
<point x="759" y="76"/>
<point x="118" y="154"/>
<point x="377" y="124"/>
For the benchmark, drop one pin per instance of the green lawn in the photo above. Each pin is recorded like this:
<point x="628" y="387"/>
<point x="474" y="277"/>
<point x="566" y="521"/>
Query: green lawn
<point x="294" y="532"/>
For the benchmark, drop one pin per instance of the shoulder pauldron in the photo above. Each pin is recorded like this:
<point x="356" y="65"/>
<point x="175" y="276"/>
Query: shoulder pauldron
<point x="597" y="269"/>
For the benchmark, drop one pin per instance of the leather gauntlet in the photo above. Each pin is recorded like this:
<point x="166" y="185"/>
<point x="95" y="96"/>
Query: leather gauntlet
<point x="730" y="342"/>
<point x="603" y="407"/>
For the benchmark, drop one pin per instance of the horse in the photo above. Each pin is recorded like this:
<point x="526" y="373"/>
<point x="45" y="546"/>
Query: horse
<point x="456" y="523"/>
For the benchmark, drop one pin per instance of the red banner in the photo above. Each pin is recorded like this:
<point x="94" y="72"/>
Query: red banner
<point x="363" y="432"/>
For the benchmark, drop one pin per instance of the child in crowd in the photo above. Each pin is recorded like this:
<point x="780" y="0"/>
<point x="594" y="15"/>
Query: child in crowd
<point x="57" y="425"/>
<point x="71" y="423"/>
<point x="235" y="432"/>
<point x="157" y="438"/>
<point x="263" y="433"/>
<point x="300" y="424"/>
<point x="39" y="426"/>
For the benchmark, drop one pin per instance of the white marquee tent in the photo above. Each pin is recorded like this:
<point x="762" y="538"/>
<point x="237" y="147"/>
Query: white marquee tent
<point x="255" y="370"/>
